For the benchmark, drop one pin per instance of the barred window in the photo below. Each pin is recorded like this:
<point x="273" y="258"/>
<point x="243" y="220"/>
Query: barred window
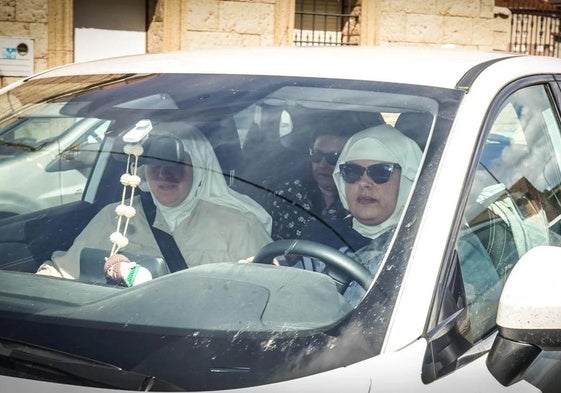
<point x="535" y="32"/>
<point x="326" y="22"/>
<point x="535" y="26"/>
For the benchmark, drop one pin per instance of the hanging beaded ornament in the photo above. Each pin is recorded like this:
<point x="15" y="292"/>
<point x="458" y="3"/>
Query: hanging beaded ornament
<point x="117" y="267"/>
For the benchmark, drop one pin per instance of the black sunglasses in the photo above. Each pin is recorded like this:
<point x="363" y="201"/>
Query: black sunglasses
<point x="379" y="173"/>
<point x="318" y="155"/>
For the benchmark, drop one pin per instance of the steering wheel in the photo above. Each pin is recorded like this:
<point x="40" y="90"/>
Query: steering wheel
<point x="340" y="267"/>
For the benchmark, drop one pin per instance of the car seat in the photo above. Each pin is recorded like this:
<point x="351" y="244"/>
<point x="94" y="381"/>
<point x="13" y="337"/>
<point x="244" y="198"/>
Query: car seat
<point x="415" y="125"/>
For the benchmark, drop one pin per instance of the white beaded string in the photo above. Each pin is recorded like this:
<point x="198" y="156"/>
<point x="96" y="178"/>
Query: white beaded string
<point x="130" y="180"/>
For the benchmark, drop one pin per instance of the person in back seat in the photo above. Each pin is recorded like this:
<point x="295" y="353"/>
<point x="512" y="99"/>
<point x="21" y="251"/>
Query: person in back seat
<point x="311" y="195"/>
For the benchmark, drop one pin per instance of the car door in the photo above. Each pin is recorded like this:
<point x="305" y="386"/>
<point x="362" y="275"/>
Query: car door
<point x="511" y="205"/>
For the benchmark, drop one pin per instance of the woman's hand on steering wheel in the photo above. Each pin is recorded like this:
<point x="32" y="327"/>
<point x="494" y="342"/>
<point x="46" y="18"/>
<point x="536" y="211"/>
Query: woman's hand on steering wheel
<point x="340" y="267"/>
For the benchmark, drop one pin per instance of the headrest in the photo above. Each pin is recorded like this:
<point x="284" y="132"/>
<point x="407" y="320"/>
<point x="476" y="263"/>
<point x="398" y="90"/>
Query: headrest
<point x="415" y="125"/>
<point x="163" y="150"/>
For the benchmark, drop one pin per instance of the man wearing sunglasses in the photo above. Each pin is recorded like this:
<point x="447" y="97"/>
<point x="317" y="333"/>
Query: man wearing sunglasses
<point x="324" y="155"/>
<point x="312" y="194"/>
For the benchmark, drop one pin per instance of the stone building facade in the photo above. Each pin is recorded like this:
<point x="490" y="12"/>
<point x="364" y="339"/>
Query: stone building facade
<point x="190" y="24"/>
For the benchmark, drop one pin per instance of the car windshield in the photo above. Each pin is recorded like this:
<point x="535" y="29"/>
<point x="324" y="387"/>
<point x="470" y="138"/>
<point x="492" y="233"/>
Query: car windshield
<point x="234" y="218"/>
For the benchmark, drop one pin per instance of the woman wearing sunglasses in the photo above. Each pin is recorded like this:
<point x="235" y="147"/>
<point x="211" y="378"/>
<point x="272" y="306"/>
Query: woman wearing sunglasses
<point x="373" y="175"/>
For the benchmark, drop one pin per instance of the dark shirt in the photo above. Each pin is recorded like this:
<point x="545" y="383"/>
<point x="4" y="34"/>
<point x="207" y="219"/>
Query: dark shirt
<point x="336" y="233"/>
<point x="297" y="203"/>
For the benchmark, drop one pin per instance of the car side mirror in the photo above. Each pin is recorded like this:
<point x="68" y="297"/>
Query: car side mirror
<point x="529" y="315"/>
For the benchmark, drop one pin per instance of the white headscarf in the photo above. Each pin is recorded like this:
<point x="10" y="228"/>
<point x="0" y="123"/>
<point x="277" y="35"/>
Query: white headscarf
<point x="208" y="184"/>
<point x="381" y="143"/>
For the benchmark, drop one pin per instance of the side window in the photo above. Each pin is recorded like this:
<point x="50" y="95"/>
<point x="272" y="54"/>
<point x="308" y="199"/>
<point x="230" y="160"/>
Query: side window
<point x="513" y="203"/>
<point x="258" y="124"/>
<point x="55" y="152"/>
<point x="33" y="132"/>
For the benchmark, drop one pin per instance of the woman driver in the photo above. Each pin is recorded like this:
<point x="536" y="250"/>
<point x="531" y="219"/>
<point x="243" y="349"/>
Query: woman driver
<point x="208" y="221"/>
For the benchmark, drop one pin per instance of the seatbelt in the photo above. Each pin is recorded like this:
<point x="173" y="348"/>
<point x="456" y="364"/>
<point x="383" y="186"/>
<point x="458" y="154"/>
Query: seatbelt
<point x="166" y="242"/>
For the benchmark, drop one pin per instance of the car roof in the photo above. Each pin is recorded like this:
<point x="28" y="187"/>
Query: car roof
<point x="441" y="67"/>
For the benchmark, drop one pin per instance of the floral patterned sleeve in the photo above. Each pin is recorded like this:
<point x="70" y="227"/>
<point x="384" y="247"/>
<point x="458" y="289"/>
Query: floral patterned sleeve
<point x="290" y="210"/>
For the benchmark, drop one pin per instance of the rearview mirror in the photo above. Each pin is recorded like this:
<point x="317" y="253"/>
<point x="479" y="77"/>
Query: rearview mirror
<point x="529" y="314"/>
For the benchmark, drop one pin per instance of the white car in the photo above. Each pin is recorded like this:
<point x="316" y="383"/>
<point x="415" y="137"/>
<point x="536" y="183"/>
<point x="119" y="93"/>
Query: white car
<point x="466" y="297"/>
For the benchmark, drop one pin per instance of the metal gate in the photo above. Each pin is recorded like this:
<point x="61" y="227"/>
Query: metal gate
<point x="535" y="27"/>
<point x="326" y="23"/>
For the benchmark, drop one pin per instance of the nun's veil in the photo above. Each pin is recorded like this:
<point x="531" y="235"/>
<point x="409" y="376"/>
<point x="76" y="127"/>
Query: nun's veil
<point x="209" y="184"/>
<point x="381" y="143"/>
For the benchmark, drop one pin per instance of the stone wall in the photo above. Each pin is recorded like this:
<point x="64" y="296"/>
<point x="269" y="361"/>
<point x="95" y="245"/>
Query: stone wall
<point x="474" y="24"/>
<point x="155" y="31"/>
<point x="189" y="24"/>
<point x="26" y="18"/>
<point x="215" y="23"/>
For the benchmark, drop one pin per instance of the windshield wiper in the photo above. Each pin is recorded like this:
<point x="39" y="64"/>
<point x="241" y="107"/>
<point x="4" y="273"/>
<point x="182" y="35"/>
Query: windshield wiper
<point x="57" y="366"/>
<point x="18" y="146"/>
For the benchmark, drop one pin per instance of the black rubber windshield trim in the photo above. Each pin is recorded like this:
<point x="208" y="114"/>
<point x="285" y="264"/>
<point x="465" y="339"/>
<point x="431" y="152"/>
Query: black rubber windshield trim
<point x="465" y="81"/>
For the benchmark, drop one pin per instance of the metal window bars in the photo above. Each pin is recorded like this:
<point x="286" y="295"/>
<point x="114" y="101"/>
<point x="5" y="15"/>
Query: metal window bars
<point x="535" y="32"/>
<point x="326" y="23"/>
<point x="535" y="27"/>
